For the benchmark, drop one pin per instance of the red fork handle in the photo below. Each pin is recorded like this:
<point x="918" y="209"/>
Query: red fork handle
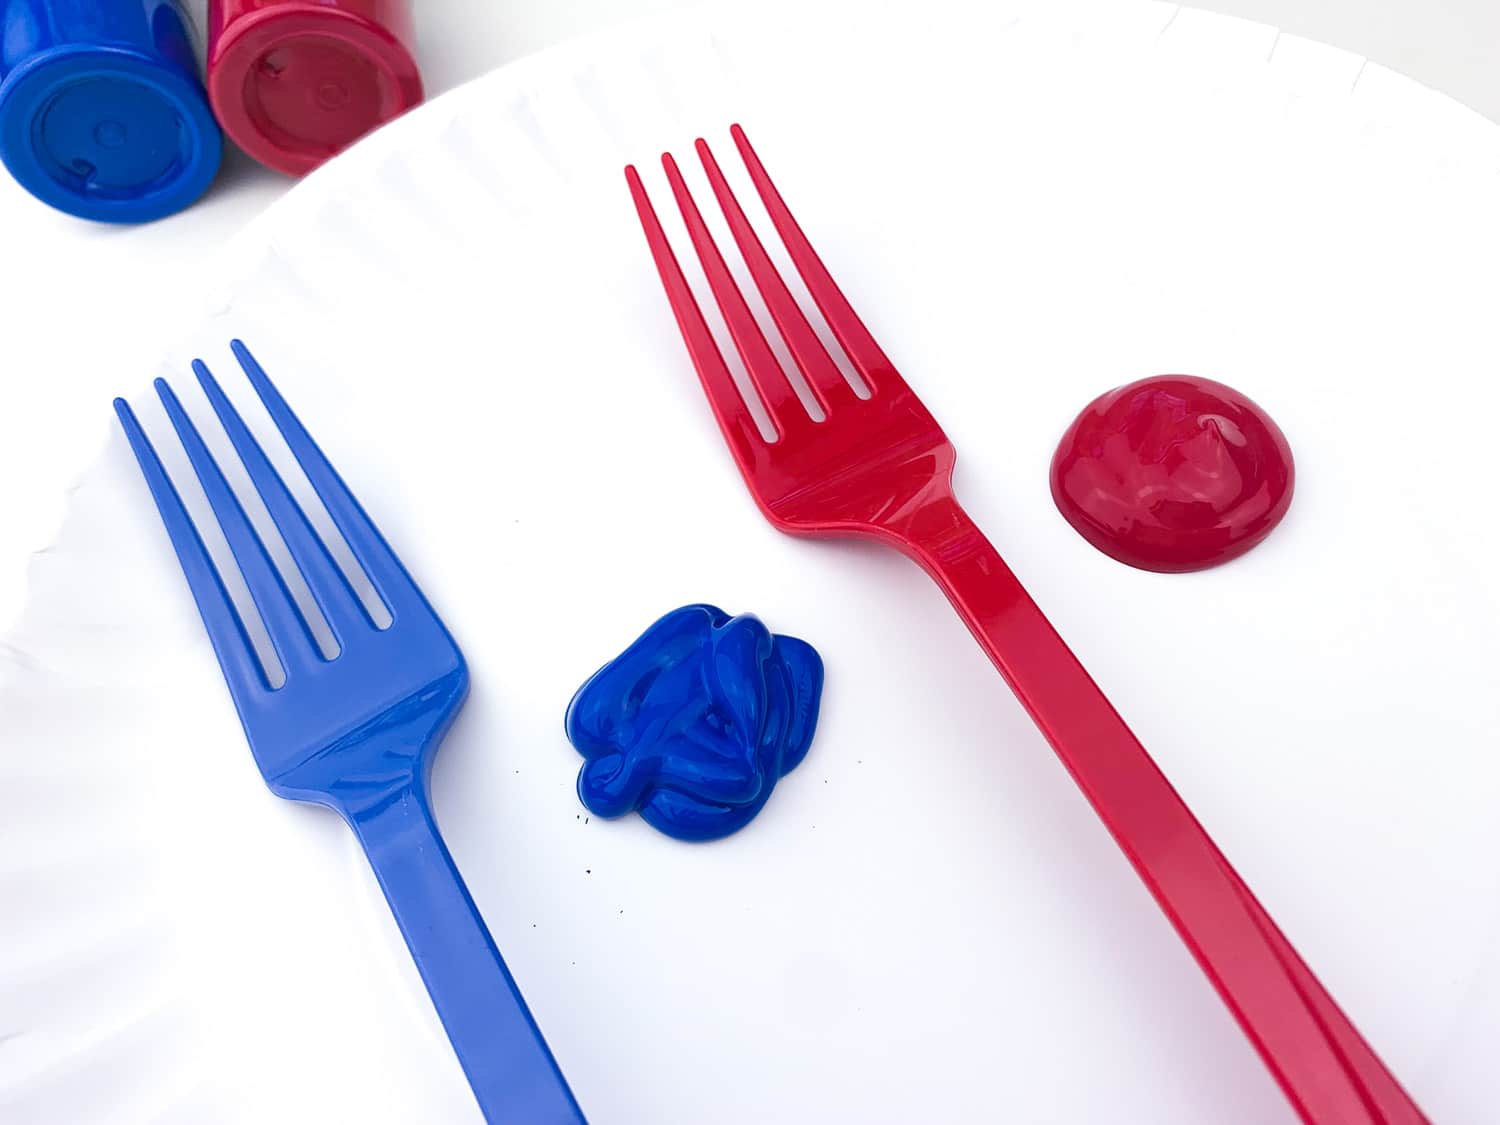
<point x="1325" y="1067"/>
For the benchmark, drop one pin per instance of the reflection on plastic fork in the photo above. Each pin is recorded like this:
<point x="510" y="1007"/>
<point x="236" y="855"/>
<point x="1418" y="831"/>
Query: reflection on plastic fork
<point x="356" y="732"/>
<point x="881" y="468"/>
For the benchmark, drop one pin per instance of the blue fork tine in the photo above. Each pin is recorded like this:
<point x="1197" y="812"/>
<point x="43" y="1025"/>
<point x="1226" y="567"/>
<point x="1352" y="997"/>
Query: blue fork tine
<point x="226" y="632"/>
<point x="330" y="589"/>
<point x="369" y="547"/>
<point x="289" y="632"/>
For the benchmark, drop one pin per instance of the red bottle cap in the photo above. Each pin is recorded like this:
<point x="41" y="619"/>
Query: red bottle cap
<point x="294" y="82"/>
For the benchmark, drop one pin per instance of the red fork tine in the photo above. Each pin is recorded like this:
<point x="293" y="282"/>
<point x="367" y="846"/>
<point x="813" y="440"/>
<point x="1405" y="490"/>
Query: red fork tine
<point x="817" y="366"/>
<point x="874" y="367"/>
<point x="776" y="392"/>
<point x="729" y="408"/>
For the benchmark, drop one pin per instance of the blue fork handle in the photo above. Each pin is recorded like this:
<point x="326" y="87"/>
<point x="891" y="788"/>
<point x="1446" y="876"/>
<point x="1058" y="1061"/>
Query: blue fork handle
<point x="508" y="1064"/>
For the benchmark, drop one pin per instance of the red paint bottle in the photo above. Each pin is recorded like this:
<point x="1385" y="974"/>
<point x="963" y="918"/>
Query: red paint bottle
<point x="294" y="82"/>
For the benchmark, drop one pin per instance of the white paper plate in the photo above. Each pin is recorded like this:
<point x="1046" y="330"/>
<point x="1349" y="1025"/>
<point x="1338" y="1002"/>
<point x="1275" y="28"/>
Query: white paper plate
<point x="1029" y="204"/>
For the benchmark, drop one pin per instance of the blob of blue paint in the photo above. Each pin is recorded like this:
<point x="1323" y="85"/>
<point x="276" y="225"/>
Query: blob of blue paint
<point x="695" y="722"/>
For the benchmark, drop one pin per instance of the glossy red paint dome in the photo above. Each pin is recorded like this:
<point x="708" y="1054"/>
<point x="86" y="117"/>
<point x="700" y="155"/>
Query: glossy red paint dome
<point x="1173" y="473"/>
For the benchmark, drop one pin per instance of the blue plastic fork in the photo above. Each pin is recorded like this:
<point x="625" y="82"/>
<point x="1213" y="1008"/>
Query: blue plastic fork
<point x="356" y="732"/>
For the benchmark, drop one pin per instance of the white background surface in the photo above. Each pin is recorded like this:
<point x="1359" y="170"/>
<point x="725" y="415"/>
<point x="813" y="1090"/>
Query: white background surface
<point x="1380" y="862"/>
<point x="926" y="923"/>
<point x="83" y="308"/>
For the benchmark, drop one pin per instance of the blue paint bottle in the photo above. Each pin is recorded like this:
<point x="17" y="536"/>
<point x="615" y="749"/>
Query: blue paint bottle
<point x="102" y="110"/>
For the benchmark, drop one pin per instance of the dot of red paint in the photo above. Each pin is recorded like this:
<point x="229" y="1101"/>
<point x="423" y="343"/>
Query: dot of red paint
<point x="1173" y="473"/>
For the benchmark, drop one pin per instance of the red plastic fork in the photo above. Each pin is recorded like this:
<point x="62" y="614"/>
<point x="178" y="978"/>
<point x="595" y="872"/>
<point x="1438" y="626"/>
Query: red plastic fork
<point x="881" y="468"/>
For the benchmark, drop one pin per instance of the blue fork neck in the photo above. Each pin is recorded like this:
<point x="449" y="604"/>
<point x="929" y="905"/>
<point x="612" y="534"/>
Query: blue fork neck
<point x="503" y="1054"/>
<point x="381" y="759"/>
<point x="376" y="779"/>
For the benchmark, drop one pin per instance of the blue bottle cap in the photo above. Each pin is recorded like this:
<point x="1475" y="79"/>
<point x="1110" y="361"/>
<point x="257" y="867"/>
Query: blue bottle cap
<point x="107" y="132"/>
